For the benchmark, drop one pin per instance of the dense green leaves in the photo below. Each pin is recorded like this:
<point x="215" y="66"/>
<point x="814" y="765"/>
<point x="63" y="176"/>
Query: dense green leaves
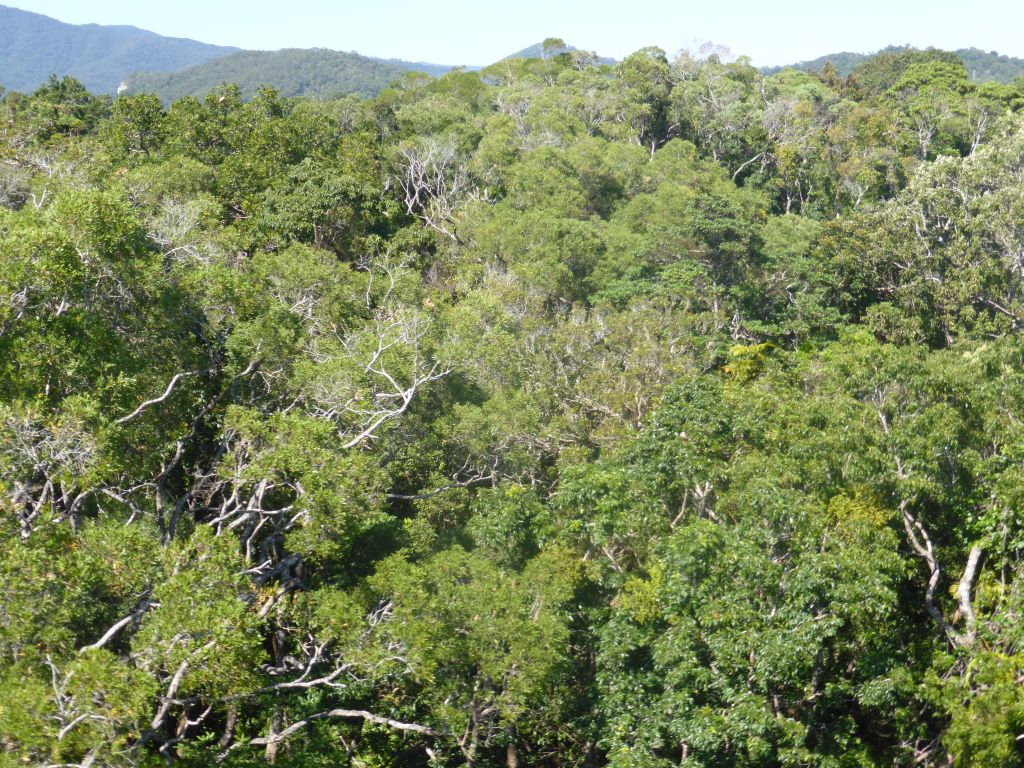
<point x="557" y="415"/>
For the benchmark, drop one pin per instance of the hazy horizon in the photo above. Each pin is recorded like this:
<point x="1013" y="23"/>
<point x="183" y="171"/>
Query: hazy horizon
<point x="460" y="32"/>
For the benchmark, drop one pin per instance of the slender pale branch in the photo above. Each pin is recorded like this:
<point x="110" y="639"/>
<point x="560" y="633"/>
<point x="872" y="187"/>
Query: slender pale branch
<point x="156" y="400"/>
<point x="345" y="714"/>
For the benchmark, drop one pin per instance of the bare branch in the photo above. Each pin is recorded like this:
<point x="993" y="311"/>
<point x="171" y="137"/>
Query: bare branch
<point x="172" y="688"/>
<point x="167" y="393"/>
<point x="435" y="184"/>
<point x="345" y="714"/>
<point x="963" y="592"/>
<point x="922" y="545"/>
<point x="112" y="632"/>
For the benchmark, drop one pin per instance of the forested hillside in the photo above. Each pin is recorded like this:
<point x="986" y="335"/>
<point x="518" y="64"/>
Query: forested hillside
<point x="311" y="73"/>
<point x="982" y="66"/>
<point x="557" y="415"/>
<point x="33" y="47"/>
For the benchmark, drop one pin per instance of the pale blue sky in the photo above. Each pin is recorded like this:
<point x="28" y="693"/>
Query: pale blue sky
<point x="466" y="32"/>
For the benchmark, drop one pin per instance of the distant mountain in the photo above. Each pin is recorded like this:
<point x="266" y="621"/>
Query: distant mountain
<point x="982" y="66"/>
<point x="844" y="63"/>
<point x="536" y="51"/>
<point x="434" y="70"/>
<point x="32" y="47"/>
<point x="311" y="72"/>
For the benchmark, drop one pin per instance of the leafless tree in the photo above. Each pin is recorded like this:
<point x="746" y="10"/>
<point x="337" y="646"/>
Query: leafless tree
<point x="14" y="184"/>
<point x="435" y="184"/>
<point x="40" y="463"/>
<point x="175" y="230"/>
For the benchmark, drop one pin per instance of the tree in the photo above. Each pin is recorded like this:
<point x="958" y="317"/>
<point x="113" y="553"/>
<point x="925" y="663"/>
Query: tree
<point x="135" y="125"/>
<point x="551" y="47"/>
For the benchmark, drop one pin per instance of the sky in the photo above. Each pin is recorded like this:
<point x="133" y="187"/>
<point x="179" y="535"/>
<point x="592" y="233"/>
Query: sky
<point x="468" y="32"/>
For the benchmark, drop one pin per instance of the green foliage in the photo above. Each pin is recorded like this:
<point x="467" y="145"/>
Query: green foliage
<point x="63" y="107"/>
<point x="982" y="66"/>
<point x="560" y="415"/>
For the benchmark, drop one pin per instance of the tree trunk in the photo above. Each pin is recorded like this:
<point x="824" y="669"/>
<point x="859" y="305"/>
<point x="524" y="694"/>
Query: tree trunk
<point x="512" y="751"/>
